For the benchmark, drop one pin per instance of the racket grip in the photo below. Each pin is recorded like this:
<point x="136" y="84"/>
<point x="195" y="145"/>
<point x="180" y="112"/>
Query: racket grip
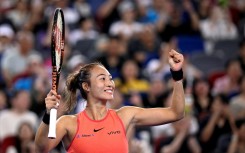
<point x="52" y="124"/>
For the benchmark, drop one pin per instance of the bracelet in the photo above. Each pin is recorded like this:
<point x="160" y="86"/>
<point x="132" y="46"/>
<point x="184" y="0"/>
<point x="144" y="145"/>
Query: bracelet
<point x="46" y="118"/>
<point x="177" y="75"/>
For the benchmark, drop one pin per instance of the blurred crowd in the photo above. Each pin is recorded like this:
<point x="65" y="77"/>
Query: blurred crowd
<point x="132" y="39"/>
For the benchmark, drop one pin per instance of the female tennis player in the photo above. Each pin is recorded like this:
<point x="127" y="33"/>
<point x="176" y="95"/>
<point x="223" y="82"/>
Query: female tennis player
<point x="98" y="129"/>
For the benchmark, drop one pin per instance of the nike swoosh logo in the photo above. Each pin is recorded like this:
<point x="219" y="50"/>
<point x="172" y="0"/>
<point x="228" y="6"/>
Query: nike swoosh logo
<point x="96" y="130"/>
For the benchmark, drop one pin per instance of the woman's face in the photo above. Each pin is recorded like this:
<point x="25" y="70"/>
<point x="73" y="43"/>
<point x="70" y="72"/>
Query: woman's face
<point x="130" y="70"/>
<point x="22" y="101"/>
<point x="25" y="132"/>
<point x="101" y="84"/>
<point x="234" y="70"/>
<point x="202" y="88"/>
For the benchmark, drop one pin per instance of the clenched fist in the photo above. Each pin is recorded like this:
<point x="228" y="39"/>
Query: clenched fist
<point x="175" y="60"/>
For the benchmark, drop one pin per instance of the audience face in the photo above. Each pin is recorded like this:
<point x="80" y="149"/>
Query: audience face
<point x="217" y="105"/>
<point x="87" y="24"/>
<point x="21" y="102"/>
<point x="201" y="88"/>
<point x="113" y="47"/>
<point x="147" y="37"/>
<point x="128" y="16"/>
<point x="234" y="70"/>
<point x="22" y="5"/>
<point x="25" y="40"/>
<point x="4" y="41"/>
<point x="26" y="132"/>
<point x="130" y="70"/>
<point x="205" y="4"/>
<point x="156" y="87"/>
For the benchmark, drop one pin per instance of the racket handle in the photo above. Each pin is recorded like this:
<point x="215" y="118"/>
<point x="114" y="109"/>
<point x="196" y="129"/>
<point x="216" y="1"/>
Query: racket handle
<point x="52" y="124"/>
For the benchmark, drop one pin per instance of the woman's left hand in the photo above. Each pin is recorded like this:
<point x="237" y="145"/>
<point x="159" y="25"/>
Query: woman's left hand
<point x="175" y="60"/>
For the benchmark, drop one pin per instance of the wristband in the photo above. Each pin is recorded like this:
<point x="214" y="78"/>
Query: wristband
<point x="177" y="75"/>
<point x="46" y="118"/>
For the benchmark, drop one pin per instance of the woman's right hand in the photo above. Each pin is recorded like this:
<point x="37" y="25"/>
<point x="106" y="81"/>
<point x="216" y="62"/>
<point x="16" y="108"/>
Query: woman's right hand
<point x="52" y="101"/>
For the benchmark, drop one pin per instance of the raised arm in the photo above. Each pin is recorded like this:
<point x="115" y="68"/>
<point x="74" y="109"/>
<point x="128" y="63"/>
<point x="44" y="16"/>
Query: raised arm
<point x="157" y="116"/>
<point x="42" y="142"/>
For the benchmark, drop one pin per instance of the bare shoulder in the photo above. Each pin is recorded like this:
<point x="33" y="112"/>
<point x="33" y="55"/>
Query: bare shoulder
<point x="67" y="119"/>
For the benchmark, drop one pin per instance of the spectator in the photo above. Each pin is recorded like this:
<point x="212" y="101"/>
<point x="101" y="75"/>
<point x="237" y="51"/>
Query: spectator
<point x="144" y="47"/>
<point x="182" y="141"/>
<point x="237" y="104"/>
<point x="6" y="42"/>
<point x="156" y="95"/>
<point x="235" y="142"/>
<point x="6" y="37"/>
<point x="158" y="68"/>
<point x="34" y="80"/>
<point x="105" y="13"/>
<point x="20" y="142"/>
<point x="113" y="57"/>
<point x="83" y="39"/>
<point x="11" y="119"/>
<point x="218" y="123"/>
<point x="127" y="27"/>
<point x="154" y="13"/>
<point x="85" y="31"/>
<point x="229" y="83"/>
<point x="178" y="137"/>
<point x="202" y="99"/>
<point x="71" y="16"/>
<point x="14" y="61"/>
<point x="82" y="7"/>
<point x="204" y="8"/>
<point x="218" y="25"/>
<point x="75" y="62"/>
<point x="176" y="26"/>
<point x="130" y="80"/>
<point x="20" y="14"/>
<point x="238" y="139"/>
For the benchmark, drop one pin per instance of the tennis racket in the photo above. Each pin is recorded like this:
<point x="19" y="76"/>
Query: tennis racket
<point x="57" y="53"/>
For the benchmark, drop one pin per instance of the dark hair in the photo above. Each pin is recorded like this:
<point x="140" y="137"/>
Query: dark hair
<point x="195" y="96"/>
<point x="224" y="98"/>
<point x="18" y="140"/>
<point x="15" y="92"/>
<point x="74" y="81"/>
<point x="242" y="43"/>
<point x="230" y="62"/>
<point x="83" y="19"/>
<point x="240" y="122"/>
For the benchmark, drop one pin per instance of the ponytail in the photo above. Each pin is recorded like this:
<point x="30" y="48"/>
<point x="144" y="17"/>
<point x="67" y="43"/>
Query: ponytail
<point x="71" y="91"/>
<point x="74" y="81"/>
